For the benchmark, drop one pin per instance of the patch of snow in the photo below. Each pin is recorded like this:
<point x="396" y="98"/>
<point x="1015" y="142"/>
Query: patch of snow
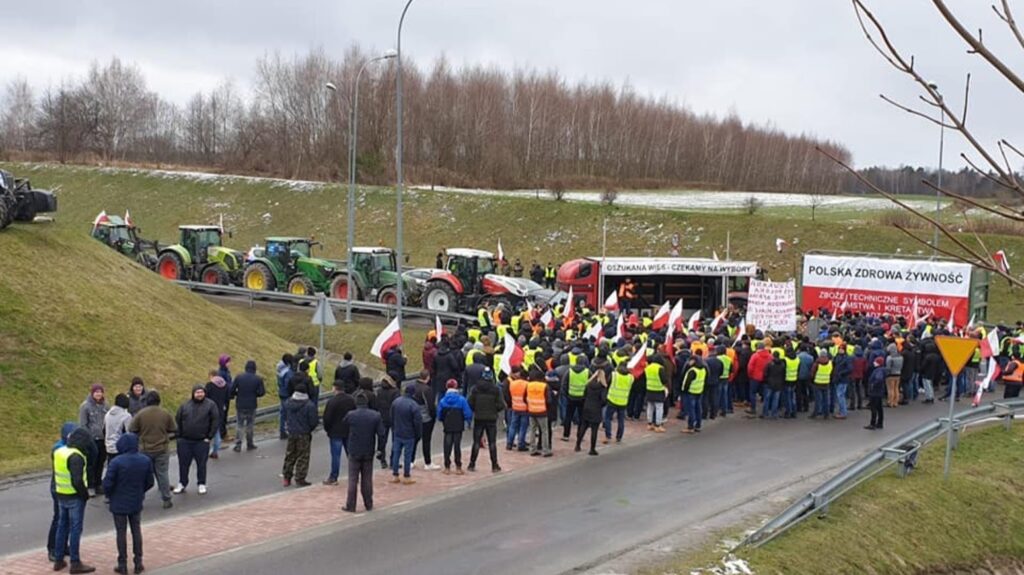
<point x="206" y="177"/>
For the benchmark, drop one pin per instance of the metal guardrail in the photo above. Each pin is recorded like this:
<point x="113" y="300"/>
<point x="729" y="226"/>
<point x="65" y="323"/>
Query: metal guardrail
<point x="384" y="309"/>
<point x="894" y="452"/>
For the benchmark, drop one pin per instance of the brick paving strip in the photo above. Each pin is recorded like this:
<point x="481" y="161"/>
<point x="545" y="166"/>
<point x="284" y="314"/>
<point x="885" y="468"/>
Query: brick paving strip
<point x="172" y="541"/>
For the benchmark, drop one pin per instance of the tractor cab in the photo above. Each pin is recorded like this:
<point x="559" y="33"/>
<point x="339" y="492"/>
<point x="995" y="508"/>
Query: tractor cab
<point x="285" y="252"/>
<point x="470" y="266"/>
<point x="372" y="262"/>
<point x="198" y="240"/>
<point x="117" y="234"/>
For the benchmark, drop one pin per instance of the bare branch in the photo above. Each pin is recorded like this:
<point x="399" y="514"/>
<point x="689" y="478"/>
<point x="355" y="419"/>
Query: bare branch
<point x="1007" y="16"/>
<point x="967" y="98"/>
<point x="1012" y="147"/>
<point x="917" y="113"/>
<point x="974" y="203"/>
<point x="978" y="46"/>
<point x="986" y="175"/>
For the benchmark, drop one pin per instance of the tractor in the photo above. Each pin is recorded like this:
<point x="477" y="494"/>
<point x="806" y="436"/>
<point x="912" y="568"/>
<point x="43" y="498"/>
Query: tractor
<point x="286" y="264"/>
<point x="123" y="237"/>
<point x="375" y="273"/>
<point x="200" y="256"/>
<point x="20" y="203"/>
<point x="468" y="281"/>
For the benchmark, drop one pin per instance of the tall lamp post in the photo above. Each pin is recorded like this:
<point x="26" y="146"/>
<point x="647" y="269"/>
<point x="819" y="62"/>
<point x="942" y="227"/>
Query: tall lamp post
<point x="398" y="168"/>
<point x="938" y="202"/>
<point x="353" y="131"/>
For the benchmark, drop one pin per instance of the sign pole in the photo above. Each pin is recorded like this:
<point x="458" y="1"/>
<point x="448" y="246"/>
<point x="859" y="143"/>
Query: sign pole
<point x="955" y="351"/>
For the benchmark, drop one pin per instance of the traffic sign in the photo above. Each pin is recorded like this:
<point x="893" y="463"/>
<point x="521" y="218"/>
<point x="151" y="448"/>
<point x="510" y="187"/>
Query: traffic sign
<point x="324" y="315"/>
<point x="956" y="351"/>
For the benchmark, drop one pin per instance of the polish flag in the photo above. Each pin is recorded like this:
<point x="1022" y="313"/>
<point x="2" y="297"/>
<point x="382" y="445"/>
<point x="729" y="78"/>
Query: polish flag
<point x="512" y="356"/>
<point x="741" y="330"/>
<point x="570" y="308"/>
<point x="529" y="309"/>
<point x="779" y="244"/>
<point x="989" y="351"/>
<point x="952" y="321"/>
<point x="438" y="328"/>
<point x="717" y="321"/>
<point x="612" y="303"/>
<point x="694" y="322"/>
<point x="619" y="328"/>
<point x="661" y="318"/>
<point x="102" y="218"/>
<point x="970" y="323"/>
<point x="128" y="218"/>
<point x="842" y="308"/>
<point x="674" y="320"/>
<point x="990" y="345"/>
<point x="389" y="338"/>
<point x="1001" y="261"/>
<point x="501" y="252"/>
<point x="638" y="362"/>
<point x="548" y="319"/>
<point x="594" y="332"/>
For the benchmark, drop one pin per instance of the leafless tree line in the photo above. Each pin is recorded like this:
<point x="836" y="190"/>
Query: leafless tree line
<point x="474" y="126"/>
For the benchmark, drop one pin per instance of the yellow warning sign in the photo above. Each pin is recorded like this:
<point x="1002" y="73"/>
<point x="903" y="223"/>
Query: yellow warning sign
<point x="956" y="351"/>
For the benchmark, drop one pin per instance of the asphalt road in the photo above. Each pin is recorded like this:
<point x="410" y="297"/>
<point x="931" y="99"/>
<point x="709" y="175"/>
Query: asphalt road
<point x="570" y="515"/>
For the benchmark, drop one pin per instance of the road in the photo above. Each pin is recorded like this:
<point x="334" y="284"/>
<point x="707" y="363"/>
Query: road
<point x="567" y="516"/>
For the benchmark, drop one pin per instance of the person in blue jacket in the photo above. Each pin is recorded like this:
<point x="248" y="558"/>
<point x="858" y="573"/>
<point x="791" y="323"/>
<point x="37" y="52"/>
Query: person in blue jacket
<point x="285" y="370"/>
<point x="129" y="477"/>
<point x="454" y="413"/>
<point x="65" y="431"/>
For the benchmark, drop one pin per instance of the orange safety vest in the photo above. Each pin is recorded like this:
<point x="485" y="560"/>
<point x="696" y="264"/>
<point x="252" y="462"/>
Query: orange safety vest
<point x="496" y="317"/>
<point x="517" y="390"/>
<point x="1017" y="376"/>
<point x="536" y="397"/>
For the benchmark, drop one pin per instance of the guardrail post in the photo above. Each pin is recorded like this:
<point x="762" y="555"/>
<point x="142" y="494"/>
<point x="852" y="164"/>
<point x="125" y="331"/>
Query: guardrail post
<point x="1006" y="412"/>
<point x="820" y="504"/>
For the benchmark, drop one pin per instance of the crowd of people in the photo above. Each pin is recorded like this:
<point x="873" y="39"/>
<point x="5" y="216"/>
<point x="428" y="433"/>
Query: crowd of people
<point x="572" y="373"/>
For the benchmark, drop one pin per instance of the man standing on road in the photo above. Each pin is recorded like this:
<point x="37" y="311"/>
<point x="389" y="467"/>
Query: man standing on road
<point x="91" y="416"/>
<point x="618" y="396"/>
<point x="365" y="428"/>
<point x="486" y="402"/>
<point x="538" y="402"/>
<point x="520" y="420"/>
<point x="454" y="413"/>
<point x="575" y="385"/>
<point x="335" y="427"/>
<point x="407" y="422"/>
<point x="427" y="402"/>
<point x="154" y="426"/>
<point x="71" y="482"/>
<point x="301" y="421"/>
<point x="316" y="374"/>
<point x="693" y="387"/>
<point x="247" y="391"/>
<point x="128" y="479"/>
<point x="877" y="391"/>
<point x="347" y="373"/>
<point x="386" y="395"/>
<point x="284" y="376"/>
<point x="198" y="421"/>
<point x="217" y="392"/>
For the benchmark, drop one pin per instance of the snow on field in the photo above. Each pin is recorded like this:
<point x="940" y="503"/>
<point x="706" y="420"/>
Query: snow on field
<point x="703" y="200"/>
<point x="209" y="178"/>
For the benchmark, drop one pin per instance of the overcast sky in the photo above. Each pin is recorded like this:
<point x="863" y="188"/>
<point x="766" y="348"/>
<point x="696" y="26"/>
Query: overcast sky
<point x="802" y="65"/>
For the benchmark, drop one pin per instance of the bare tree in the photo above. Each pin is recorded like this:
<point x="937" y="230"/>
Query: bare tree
<point x="815" y="200"/>
<point x="751" y="205"/>
<point x="557" y="190"/>
<point x="609" y="195"/>
<point x="17" y="116"/>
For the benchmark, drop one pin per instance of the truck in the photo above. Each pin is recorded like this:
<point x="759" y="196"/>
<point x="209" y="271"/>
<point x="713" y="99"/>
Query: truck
<point x="19" y="202"/>
<point x="468" y="281"/>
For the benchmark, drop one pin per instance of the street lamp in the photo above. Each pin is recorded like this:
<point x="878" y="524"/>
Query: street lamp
<point x="353" y="128"/>
<point x="942" y="135"/>
<point x="398" y="169"/>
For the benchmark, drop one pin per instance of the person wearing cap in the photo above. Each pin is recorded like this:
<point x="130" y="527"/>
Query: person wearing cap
<point x="154" y="426"/>
<point x="197" y="421"/>
<point x="487" y="402"/>
<point x="301" y="422"/>
<point x="454" y="413"/>
<point x="365" y="428"/>
<point x="876" y="388"/>
<point x="407" y="422"/>
<point x="91" y="415"/>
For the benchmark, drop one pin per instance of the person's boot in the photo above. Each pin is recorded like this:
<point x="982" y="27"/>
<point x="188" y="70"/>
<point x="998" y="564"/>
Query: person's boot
<point x="139" y="568"/>
<point x="59" y="565"/>
<point x="577" y="446"/>
<point x="79" y="567"/>
<point x="237" y="448"/>
<point x="121" y="568"/>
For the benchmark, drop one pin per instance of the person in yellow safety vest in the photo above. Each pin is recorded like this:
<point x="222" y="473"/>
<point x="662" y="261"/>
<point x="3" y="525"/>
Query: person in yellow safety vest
<point x="550" y="274"/>
<point x="657" y="386"/>
<point x="316" y="374"/>
<point x="517" y="320"/>
<point x="574" y="384"/>
<point x="821" y="377"/>
<point x="502" y="330"/>
<point x="478" y="348"/>
<point x="520" y="420"/>
<point x="473" y="334"/>
<point x="481" y="317"/>
<point x="539" y="402"/>
<point x="70" y="484"/>
<point x="647" y="322"/>
<point x="693" y="386"/>
<point x="618" y="397"/>
<point x="792" y="375"/>
<point x="724" y="388"/>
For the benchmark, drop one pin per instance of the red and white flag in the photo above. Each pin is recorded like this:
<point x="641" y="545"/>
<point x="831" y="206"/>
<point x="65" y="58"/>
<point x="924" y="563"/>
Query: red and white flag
<point x="694" y="322"/>
<point x="952" y="319"/>
<point x="389" y="338"/>
<point x="661" y="318"/>
<point x="128" y="218"/>
<point x="842" y="308"/>
<point x="779" y="244"/>
<point x="512" y="355"/>
<point x="529" y="309"/>
<point x="570" y="308"/>
<point x="674" y="320"/>
<point x="989" y="351"/>
<point x="741" y="330"/>
<point x="612" y="303"/>
<point x="716" y="322"/>
<point x="501" y="252"/>
<point x="1001" y="261"/>
<point x="438" y="328"/>
<point x="102" y="218"/>
<point x="548" y="319"/>
<point x="638" y="362"/>
<point x="619" y="328"/>
<point x="595" y="332"/>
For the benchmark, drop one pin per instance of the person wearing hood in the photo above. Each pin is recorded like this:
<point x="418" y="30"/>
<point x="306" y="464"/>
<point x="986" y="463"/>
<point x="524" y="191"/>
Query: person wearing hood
<point x="347" y="373"/>
<point x="617" y="398"/>
<point x="930" y="369"/>
<point x="574" y="387"/>
<point x="893" y="367"/>
<point x="65" y="431"/>
<point x="842" y="368"/>
<point x="115" y="423"/>
<point x="454" y="413"/>
<point x="472" y="374"/>
<point x="225" y="373"/>
<point x="128" y="478"/>
<point x="136" y="395"/>
<point x="859" y="376"/>
<point x="365" y="428"/>
<point x="693" y="386"/>
<point x="395" y="364"/>
<point x="247" y="391"/>
<point x="487" y="402"/>
<point x="804" y="393"/>
<point x="383" y="399"/>
<point x="429" y="353"/>
<point x="197" y="422"/>
<point x="71" y="483"/>
<point x="876" y="391"/>
<point x="91" y="416"/>
<point x="821" y="379"/>
<point x="301" y="422"/>
<point x="284" y="377"/>
<point x="300" y="377"/>
<point x="217" y="392"/>
<point x="594" y="399"/>
<point x="774" y="383"/>
<point x="337" y="431"/>
<point x="427" y="401"/>
<point x="755" y="374"/>
<point x="154" y="426"/>
<point x="407" y="422"/>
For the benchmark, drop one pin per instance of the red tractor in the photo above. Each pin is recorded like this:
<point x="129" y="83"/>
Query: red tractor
<point x="469" y="281"/>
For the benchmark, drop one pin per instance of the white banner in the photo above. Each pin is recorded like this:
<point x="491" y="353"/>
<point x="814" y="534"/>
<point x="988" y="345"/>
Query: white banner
<point x="887" y="275"/>
<point x="771" y="306"/>
<point x="676" y="266"/>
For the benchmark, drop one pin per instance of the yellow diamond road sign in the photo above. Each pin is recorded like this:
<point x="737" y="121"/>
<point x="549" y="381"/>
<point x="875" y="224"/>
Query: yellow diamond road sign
<point x="956" y="351"/>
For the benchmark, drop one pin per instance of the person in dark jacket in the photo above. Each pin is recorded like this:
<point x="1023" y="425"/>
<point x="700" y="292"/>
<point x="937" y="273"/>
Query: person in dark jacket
<point x="65" y="431"/>
<point x="300" y="377"/>
<point x="136" y="395"/>
<point x="594" y="399"/>
<point x="301" y="422"/>
<point x="774" y="381"/>
<point x="247" y="391"/>
<point x="217" y="392"/>
<point x="70" y="473"/>
<point x="454" y="413"/>
<point x="284" y="377"/>
<point x="429" y="353"/>
<point x="347" y="373"/>
<point x="129" y="477"/>
<point x="197" y="422"/>
<point x="91" y="415"/>
<point x="428" y="406"/>
<point x="407" y="422"/>
<point x="154" y="426"/>
<point x="876" y="392"/>
<point x="395" y="364"/>
<point x="336" y="429"/>
<point x="930" y="369"/>
<point x="446" y="366"/>
<point x="487" y="402"/>
<point x="365" y="428"/>
<point x="385" y="396"/>
<point x="908" y="387"/>
<point x="365" y="389"/>
<point x="225" y="373"/>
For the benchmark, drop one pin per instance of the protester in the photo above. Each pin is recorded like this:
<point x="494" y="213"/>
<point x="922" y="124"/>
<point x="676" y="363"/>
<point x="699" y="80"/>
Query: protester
<point x="1013" y="377"/>
<point x="335" y="427"/>
<point x="154" y="426"/>
<point x="91" y="416"/>
<point x="385" y="397"/>
<point x="617" y="397"/>
<point x="656" y="380"/>
<point x="693" y="386"/>
<point x="316" y="375"/>
<point x="246" y="393"/>
<point x="128" y="478"/>
<point x="302" y="421"/>
<point x="347" y="373"/>
<point x="136" y="395"/>
<point x="893" y="367"/>
<point x="454" y="413"/>
<point x="407" y="422"/>
<point x="365" y="428"/>
<point x="51" y="546"/>
<point x="426" y="400"/>
<point x="71" y="483"/>
<point x="224" y="372"/>
<point x="217" y="392"/>
<point x="486" y="402"/>
<point x="540" y="404"/>
<point x="197" y="421"/>
<point x="594" y="399"/>
<point x="518" y="424"/>
<point x="876" y="391"/>
<point x="284" y="377"/>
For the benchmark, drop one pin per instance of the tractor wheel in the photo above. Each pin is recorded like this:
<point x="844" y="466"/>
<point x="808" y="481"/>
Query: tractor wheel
<point x="214" y="275"/>
<point x="301" y="285"/>
<point x="388" y="295"/>
<point x="6" y="209"/>
<point x="339" y="288"/>
<point x="257" y="277"/>
<point x="439" y="296"/>
<point x="170" y="266"/>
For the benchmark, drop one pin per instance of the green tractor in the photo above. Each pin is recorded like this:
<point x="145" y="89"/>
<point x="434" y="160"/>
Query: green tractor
<point x="123" y="237"/>
<point x="375" y="274"/>
<point x="200" y="256"/>
<point x="286" y="264"/>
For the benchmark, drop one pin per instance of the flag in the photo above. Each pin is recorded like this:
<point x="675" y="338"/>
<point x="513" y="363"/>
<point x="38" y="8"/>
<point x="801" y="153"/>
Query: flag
<point x="594" y="331"/>
<point x="501" y="252"/>
<point x="694" y="322"/>
<point x="1001" y="261"/>
<point x="970" y="323"/>
<point x="714" y="255"/>
<point x="529" y="309"/>
<point x="570" y="308"/>
<point x="512" y="356"/>
<point x="741" y="331"/>
<point x="952" y="321"/>
<point x="990" y="345"/>
<point x="842" y="308"/>
<point x="638" y="362"/>
<point x="779" y="243"/>
<point x="389" y="338"/>
<point x="100" y="219"/>
<point x="674" y="318"/>
<point x="661" y="318"/>
<point x="128" y="218"/>
<point x="991" y="373"/>
<point x="548" y="319"/>
<point x="438" y="328"/>
<point x="715" y="322"/>
<point x="220" y="224"/>
<point x="913" y="313"/>
<point x="619" y="324"/>
<point x="612" y="303"/>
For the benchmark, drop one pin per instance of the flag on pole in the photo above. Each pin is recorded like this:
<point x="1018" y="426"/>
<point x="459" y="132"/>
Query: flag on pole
<point x="989" y="351"/>
<point x="674" y="318"/>
<point x="952" y="319"/>
<point x="694" y="322"/>
<point x="501" y="252"/>
<point x="638" y="362"/>
<point x="1001" y="261"/>
<point x="913" y="313"/>
<point x="661" y="318"/>
<point x="529" y="309"/>
<point x="741" y="330"/>
<point x="779" y="244"/>
<point x="128" y="218"/>
<point x="717" y="321"/>
<point x="970" y="322"/>
<point x="570" y="308"/>
<point x="438" y="328"/>
<point x="594" y="332"/>
<point x="389" y="338"/>
<point x="512" y="356"/>
<point x="612" y="303"/>
<point x="619" y="324"/>
<point x="548" y="319"/>
<point x="102" y="218"/>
